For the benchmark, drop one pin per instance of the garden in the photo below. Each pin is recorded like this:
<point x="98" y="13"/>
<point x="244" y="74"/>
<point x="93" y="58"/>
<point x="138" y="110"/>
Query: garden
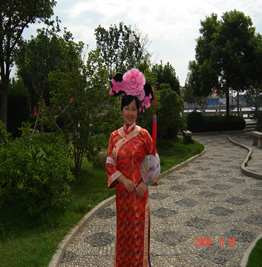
<point x="41" y="199"/>
<point x="57" y="115"/>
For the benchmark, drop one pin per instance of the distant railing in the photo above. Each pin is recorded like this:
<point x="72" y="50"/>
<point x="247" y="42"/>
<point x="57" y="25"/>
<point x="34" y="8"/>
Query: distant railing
<point x="243" y="112"/>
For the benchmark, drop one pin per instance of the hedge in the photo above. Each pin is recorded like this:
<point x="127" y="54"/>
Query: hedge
<point x="196" y="122"/>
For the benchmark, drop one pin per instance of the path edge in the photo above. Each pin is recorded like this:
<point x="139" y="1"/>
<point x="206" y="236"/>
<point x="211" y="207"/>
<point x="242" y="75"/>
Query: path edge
<point x="56" y="259"/>
<point x="243" y="165"/>
<point x="248" y="251"/>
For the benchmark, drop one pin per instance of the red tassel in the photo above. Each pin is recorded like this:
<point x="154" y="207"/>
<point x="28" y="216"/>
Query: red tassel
<point x="154" y="134"/>
<point x="154" y="126"/>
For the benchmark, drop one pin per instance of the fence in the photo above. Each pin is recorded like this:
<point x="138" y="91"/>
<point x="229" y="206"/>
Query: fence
<point x="246" y="113"/>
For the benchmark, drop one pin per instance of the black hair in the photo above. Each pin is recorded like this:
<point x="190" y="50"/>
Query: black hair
<point x="127" y="99"/>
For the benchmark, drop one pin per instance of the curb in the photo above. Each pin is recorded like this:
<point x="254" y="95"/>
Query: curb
<point x="253" y="175"/>
<point x="248" y="252"/>
<point x="56" y="259"/>
<point x="243" y="165"/>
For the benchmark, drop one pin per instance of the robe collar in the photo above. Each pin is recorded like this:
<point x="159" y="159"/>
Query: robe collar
<point x="126" y="130"/>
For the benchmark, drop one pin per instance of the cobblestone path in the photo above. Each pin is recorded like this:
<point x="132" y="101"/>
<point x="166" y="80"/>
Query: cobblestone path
<point x="204" y="214"/>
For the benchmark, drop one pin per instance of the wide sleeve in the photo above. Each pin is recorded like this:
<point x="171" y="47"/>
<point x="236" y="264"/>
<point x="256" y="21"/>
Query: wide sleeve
<point x="112" y="173"/>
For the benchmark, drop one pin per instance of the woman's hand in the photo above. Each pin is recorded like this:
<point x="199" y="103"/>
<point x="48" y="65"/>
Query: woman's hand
<point x="129" y="185"/>
<point x="141" y="189"/>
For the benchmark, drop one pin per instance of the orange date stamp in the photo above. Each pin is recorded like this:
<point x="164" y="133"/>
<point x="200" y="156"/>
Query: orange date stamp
<point x="207" y="242"/>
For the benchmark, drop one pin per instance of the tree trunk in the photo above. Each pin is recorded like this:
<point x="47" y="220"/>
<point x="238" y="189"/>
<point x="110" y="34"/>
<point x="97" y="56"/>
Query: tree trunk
<point x="238" y="112"/>
<point x="227" y="102"/>
<point x="4" y="99"/>
<point x="4" y="83"/>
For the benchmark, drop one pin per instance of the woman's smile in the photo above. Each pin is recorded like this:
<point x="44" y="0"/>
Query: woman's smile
<point x="129" y="113"/>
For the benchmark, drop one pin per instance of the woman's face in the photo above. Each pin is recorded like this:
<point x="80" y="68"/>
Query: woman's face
<point x="129" y="113"/>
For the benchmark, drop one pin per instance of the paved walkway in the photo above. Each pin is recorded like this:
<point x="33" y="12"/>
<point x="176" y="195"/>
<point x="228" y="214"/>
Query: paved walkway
<point x="209" y="198"/>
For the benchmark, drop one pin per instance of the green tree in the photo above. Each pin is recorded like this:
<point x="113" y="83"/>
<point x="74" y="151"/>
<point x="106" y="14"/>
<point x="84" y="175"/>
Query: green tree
<point x="68" y="90"/>
<point x="191" y="98"/>
<point x="46" y="52"/>
<point x="235" y="51"/>
<point x="203" y="77"/>
<point x="255" y="69"/>
<point x="80" y="95"/>
<point x="37" y="57"/>
<point x="19" y="108"/>
<point x="223" y="54"/>
<point x="254" y="93"/>
<point x="121" y="47"/>
<point x="166" y="75"/>
<point x="15" y="16"/>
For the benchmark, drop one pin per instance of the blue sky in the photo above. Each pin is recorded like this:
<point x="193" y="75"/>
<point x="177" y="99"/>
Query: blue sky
<point x="172" y="26"/>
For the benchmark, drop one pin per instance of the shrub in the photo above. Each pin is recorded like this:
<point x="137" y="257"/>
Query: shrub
<point x="35" y="171"/>
<point x="169" y="110"/>
<point x="63" y="120"/>
<point x="94" y="146"/>
<point x="5" y="137"/>
<point x="258" y="117"/>
<point x="199" y="123"/>
<point x="221" y="123"/>
<point x="195" y="121"/>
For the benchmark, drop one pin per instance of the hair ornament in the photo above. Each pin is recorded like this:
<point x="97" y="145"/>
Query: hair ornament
<point x="133" y="82"/>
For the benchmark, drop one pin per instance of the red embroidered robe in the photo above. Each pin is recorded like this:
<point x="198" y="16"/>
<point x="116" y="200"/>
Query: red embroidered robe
<point x="126" y="150"/>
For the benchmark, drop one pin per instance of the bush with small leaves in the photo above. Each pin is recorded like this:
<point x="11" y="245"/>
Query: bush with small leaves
<point x="35" y="173"/>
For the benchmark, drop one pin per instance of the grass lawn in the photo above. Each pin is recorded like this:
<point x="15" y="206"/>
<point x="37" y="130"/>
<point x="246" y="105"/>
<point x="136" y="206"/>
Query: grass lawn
<point x="173" y="153"/>
<point x="32" y="241"/>
<point x="255" y="258"/>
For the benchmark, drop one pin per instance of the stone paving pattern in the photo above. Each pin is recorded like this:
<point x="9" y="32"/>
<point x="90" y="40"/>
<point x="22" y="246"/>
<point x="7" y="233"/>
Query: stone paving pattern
<point x="208" y="198"/>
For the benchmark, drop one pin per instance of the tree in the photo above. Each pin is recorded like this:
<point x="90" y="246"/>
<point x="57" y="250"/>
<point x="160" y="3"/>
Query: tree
<point x="254" y="93"/>
<point x="235" y="50"/>
<point x="37" y="57"/>
<point x="166" y="75"/>
<point x="79" y="94"/>
<point x="67" y="90"/>
<point x="255" y="69"/>
<point x="19" y="108"/>
<point x="223" y="54"/>
<point x="203" y="70"/>
<point x="191" y="98"/>
<point x="15" y="16"/>
<point x="121" y="47"/>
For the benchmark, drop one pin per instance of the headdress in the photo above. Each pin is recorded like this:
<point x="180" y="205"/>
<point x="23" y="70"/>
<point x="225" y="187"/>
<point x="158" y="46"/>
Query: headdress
<point x="132" y="83"/>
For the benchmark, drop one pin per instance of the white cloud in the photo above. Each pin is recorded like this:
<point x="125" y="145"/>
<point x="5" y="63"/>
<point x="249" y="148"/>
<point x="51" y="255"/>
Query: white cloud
<point x="172" y="26"/>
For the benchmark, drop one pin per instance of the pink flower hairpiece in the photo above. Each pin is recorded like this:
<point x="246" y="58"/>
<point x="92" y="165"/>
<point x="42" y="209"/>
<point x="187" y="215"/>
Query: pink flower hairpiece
<point x="117" y="86"/>
<point x="146" y="103"/>
<point x="132" y="83"/>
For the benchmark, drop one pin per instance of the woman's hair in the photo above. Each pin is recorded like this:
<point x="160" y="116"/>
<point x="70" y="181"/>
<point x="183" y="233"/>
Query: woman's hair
<point x="127" y="99"/>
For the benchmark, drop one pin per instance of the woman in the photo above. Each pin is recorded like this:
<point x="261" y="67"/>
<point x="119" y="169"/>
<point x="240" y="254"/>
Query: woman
<point x="126" y="150"/>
